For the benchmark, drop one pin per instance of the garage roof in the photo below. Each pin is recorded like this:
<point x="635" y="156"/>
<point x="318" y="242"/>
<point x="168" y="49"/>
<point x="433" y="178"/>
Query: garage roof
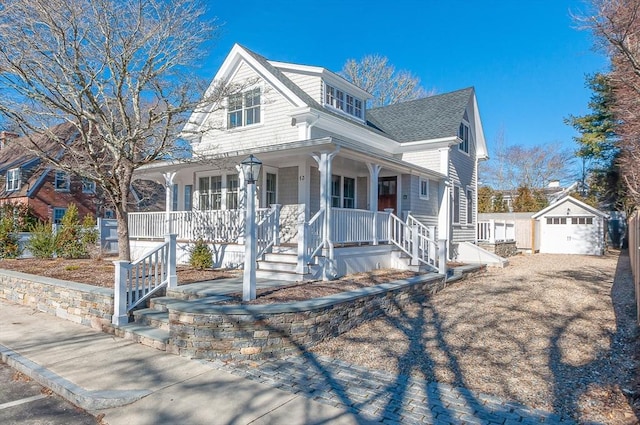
<point x="569" y="199"/>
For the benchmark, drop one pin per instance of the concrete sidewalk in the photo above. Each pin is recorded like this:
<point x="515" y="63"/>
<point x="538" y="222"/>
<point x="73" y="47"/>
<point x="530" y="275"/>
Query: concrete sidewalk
<point x="133" y="384"/>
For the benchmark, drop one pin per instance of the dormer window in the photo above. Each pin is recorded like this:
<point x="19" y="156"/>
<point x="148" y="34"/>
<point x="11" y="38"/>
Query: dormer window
<point x="243" y="109"/>
<point x="13" y="179"/>
<point x="463" y="135"/>
<point x="345" y="102"/>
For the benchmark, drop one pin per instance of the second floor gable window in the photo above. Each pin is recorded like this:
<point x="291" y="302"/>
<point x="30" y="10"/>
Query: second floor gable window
<point x="61" y="181"/>
<point x="243" y="109"/>
<point x="13" y="179"/>
<point x="463" y="135"/>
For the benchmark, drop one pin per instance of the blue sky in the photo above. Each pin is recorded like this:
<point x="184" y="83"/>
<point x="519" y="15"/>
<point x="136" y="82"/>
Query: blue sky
<point x="526" y="59"/>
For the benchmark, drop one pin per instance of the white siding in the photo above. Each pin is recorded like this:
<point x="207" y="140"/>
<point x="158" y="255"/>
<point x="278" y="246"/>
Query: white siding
<point x="274" y="128"/>
<point x="429" y="159"/>
<point x="311" y="84"/>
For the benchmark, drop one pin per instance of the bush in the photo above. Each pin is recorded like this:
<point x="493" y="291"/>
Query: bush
<point x="9" y="247"/>
<point x="21" y="214"/>
<point x="90" y="236"/>
<point x="201" y="256"/>
<point x="42" y="243"/>
<point x="69" y="237"/>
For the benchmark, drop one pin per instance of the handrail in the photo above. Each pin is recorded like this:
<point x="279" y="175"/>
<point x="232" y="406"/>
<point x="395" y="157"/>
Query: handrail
<point x="267" y="230"/>
<point x="415" y="239"/>
<point x="137" y="281"/>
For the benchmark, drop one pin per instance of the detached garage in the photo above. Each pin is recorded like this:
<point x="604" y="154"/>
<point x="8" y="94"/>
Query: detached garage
<point x="570" y="226"/>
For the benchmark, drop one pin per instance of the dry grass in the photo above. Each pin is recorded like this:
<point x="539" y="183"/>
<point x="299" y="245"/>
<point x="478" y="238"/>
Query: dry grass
<point x="555" y="332"/>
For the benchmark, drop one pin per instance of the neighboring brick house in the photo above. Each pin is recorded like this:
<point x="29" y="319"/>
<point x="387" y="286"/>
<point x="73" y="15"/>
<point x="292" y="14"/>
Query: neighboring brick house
<point x="27" y="179"/>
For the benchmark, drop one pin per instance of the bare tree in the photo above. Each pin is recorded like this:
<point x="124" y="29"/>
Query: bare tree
<point x="118" y="71"/>
<point x="616" y="27"/>
<point x="513" y="167"/>
<point x="374" y="74"/>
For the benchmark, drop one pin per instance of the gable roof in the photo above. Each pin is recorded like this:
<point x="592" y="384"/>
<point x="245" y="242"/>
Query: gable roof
<point x="569" y="199"/>
<point x="433" y="117"/>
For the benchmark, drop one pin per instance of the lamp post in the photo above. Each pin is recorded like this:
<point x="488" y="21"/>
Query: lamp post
<point x="251" y="170"/>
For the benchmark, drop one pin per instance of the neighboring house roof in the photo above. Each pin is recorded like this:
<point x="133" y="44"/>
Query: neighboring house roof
<point x="32" y="169"/>
<point x="572" y="200"/>
<point x="432" y="117"/>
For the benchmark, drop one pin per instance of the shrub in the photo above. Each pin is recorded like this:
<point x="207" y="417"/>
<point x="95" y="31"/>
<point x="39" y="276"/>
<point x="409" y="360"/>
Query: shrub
<point x="201" y="256"/>
<point x="21" y="214"/>
<point x="9" y="247"/>
<point x="42" y="243"/>
<point x="90" y="236"/>
<point x="69" y="237"/>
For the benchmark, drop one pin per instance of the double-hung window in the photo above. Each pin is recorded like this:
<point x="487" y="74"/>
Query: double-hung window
<point x="243" y="109"/>
<point x="424" y="188"/>
<point x="13" y="179"/>
<point x="270" y="188"/>
<point x="335" y="191"/>
<point x="62" y="181"/>
<point x="348" y="192"/>
<point x="456" y="204"/>
<point x="210" y="192"/>
<point x="88" y="185"/>
<point x="58" y="213"/>
<point x="233" y="184"/>
<point x="463" y="135"/>
<point x="188" y="197"/>
<point x="174" y="200"/>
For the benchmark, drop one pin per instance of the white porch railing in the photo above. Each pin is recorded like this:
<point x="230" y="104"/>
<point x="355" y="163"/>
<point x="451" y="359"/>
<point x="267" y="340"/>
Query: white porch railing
<point x="359" y="226"/>
<point x="493" y="231"/>
<point x="210" y="225"/>
<point x="136" y="282"/>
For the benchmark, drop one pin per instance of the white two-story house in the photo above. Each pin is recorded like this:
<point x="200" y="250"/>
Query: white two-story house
<point x="342" y="188"/>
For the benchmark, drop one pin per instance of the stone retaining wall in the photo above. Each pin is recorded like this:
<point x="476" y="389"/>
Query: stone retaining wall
<point x="503" y="249"/>
<point x="275" y="330"/>
<point x="77" y="302"/>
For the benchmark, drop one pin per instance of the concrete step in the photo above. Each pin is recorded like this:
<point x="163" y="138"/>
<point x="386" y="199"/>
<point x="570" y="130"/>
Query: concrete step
<point x="153" y="318"/>
<point x="145" y="335"/>
<point x="283" y="276"/>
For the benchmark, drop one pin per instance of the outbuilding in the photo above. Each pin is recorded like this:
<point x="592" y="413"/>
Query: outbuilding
<point x="569" y="226"/>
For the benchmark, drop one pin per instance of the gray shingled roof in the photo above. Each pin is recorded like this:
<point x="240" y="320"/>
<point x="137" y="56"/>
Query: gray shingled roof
<point x="429" y="118"/>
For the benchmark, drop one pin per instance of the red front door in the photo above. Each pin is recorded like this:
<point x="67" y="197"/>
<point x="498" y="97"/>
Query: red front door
<point x="387" y="193"/>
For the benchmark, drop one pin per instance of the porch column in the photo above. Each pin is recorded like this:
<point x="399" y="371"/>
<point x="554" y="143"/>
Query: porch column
<point x="168" y="182"/>
<point x="324" y="166"/>
<point x="242" y="203"/>
<point x="445" y="220"/>
<point x="374" y="172"/>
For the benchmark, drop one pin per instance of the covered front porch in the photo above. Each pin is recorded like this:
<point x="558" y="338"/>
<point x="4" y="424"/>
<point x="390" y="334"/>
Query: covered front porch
<point x="315" y="202"/>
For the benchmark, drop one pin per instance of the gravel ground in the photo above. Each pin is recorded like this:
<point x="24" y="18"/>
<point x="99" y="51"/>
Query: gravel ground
<point x="554" y="332"/>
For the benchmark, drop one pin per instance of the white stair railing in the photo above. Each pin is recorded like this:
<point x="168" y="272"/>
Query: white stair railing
<point x="268" y="230"/>
<point x="136" y="282"/>
<point x="418" y="241"/>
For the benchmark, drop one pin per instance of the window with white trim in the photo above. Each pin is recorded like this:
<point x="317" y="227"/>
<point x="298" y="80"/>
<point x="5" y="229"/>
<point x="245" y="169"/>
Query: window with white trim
<point x="58" y="213"/>
<point x="270" y="188"/>
<point x="456" y="204"/>
<point x="233" y="185"/>
<point x="348" y="192"/>
<point x="210" y="193"/>
<point x="243" y="109"/>
<point x="88" y="185"/>
<point x="61" y="181"/>
<point x="581" y="220"/>
<point x="463" y="135"/>
<point x="424" y="188"/>
<point x="174" y="199"/>
<point x="335" y="191"/>
<point x="556" y="220"/>
<point x="13" y="179"/>
<point x="188" y="197"/>
<point x="345" y="102"/>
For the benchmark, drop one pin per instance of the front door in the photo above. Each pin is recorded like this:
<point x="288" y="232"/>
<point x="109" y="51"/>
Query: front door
<point x="387" y="193"/>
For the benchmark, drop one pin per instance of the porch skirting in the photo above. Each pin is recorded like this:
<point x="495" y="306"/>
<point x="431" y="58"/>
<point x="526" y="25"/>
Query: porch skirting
<point x="242" y="332"/>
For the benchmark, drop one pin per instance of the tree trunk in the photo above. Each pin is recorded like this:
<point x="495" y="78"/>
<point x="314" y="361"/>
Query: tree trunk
<point x="124" y="250"/>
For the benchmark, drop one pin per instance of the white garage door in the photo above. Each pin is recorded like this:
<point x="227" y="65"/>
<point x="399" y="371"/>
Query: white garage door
<point x="570" y="235"/>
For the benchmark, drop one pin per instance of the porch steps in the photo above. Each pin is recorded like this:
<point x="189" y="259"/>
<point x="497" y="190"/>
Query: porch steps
<point x="145" y="335"/>
<point x="281" y="264"/>
<point x="153" y="318"/>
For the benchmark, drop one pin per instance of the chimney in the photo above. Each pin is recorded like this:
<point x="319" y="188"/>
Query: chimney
<point x="5" y="136"/>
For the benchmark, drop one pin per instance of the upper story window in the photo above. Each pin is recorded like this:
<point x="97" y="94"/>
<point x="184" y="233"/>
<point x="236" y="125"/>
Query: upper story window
<point x="88" y="186"/>
<point x="345" y="102"/>
<point x="424" y="188"/>
<point x="62" y="181"/>
<point x="463" y="135"/>
<point x="13" y="179"/>
<point x="243" y="109"/>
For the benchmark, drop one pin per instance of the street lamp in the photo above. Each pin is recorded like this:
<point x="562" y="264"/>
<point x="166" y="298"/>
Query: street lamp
<point x="251" y="170"/>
